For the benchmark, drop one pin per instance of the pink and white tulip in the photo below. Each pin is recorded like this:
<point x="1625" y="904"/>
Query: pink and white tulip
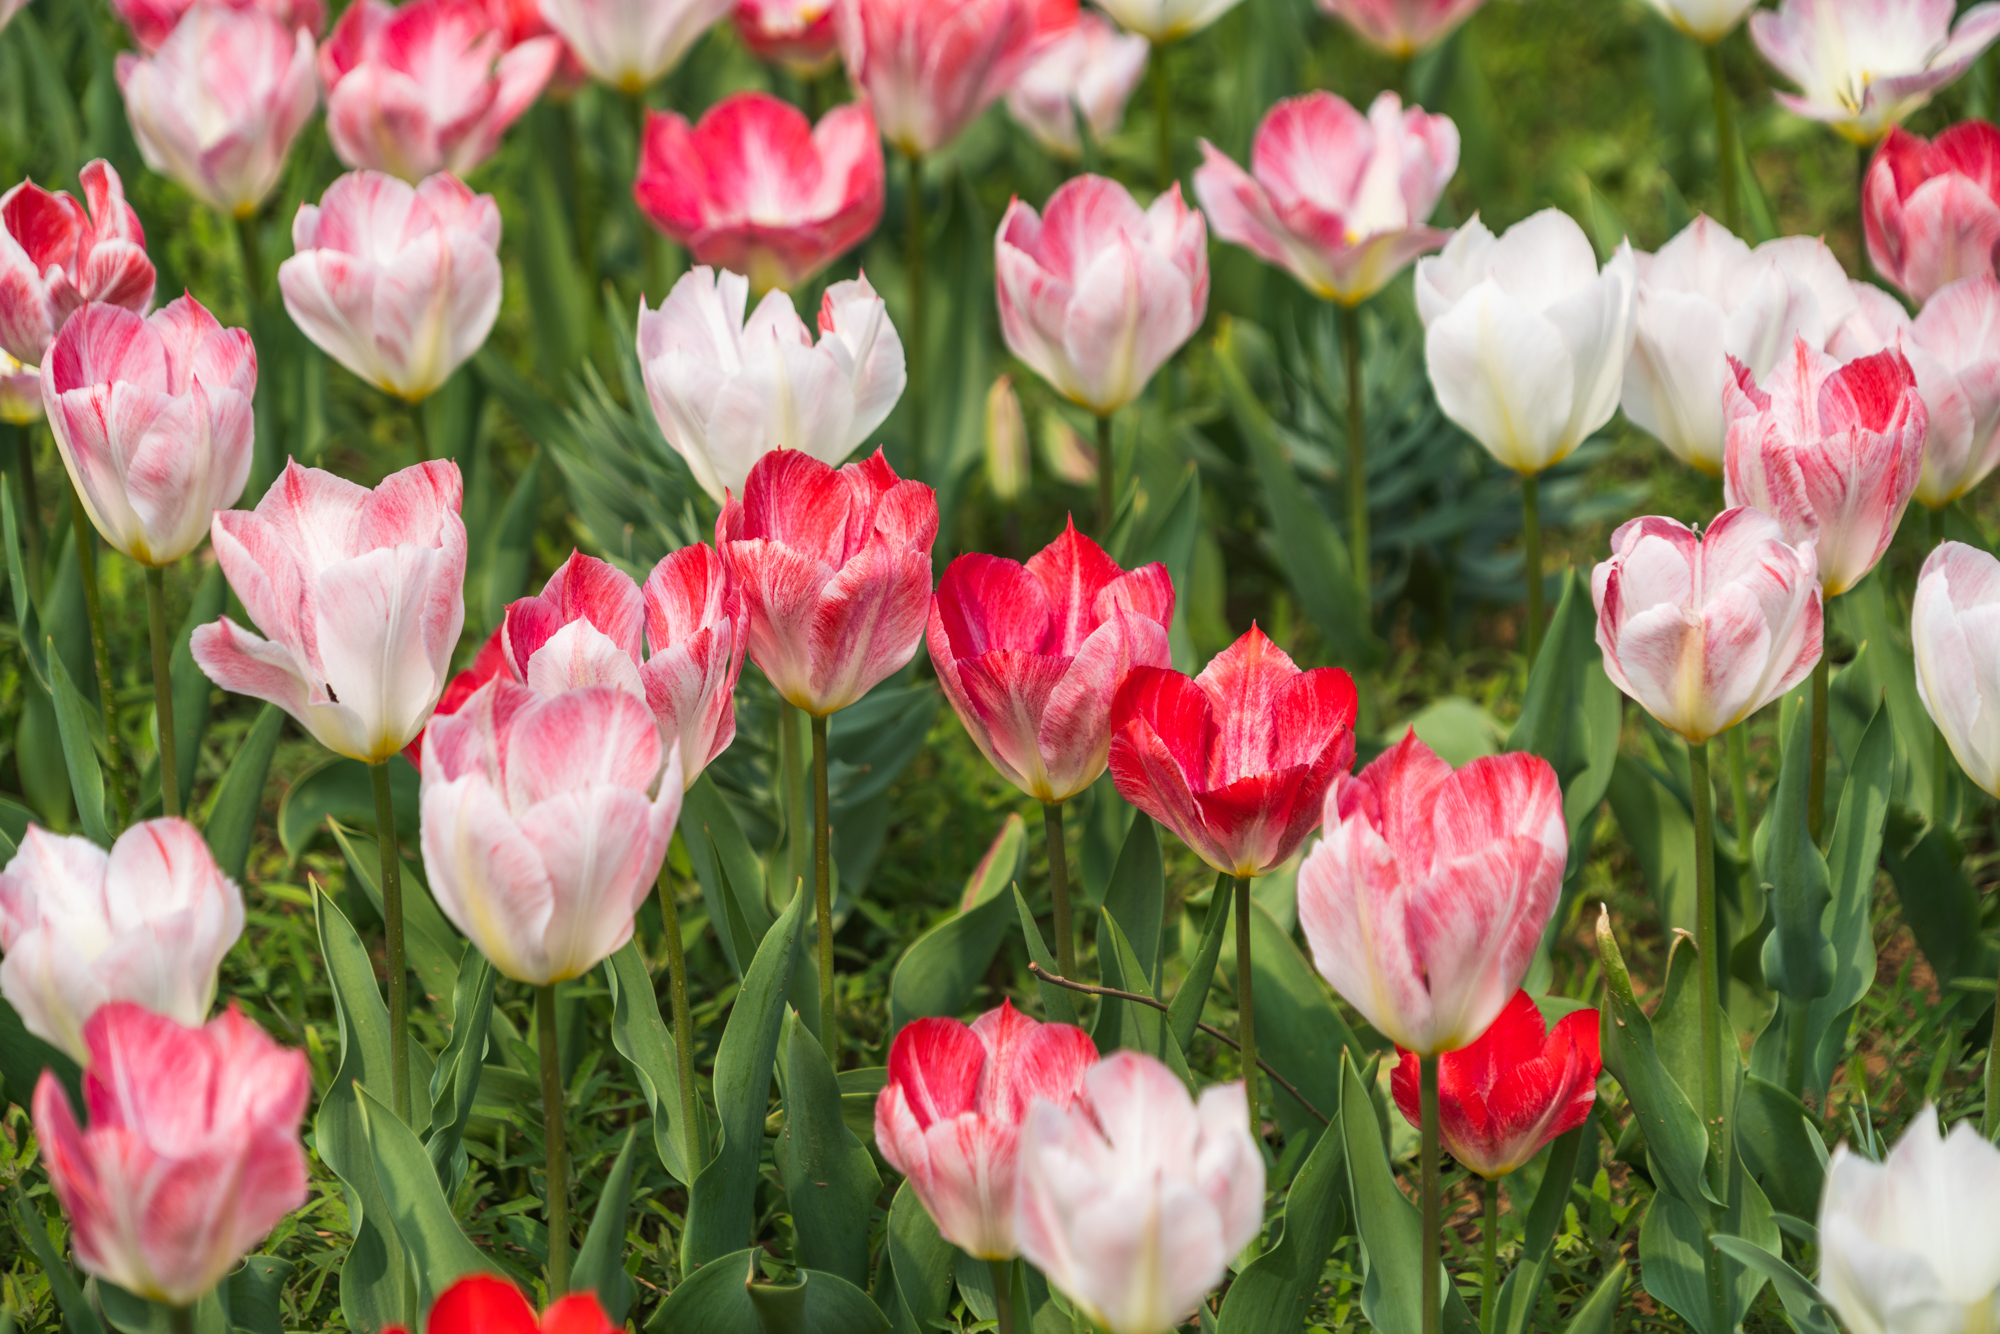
<point x="1096" y="293"/>
<point x="398" y="283"/>
<point x="1163" y="21"/>
<point x="1707" y="21"/>
<point x="1090" y="71"/>
<point x="834" y="569"/>
<point x="147" y="922"/>
<point x="427" y="87"/>
<point x="727" y="391"/>
<point x="949" y="1116"/>
<point x="630" y="43"/>
<point x="1401" y="27"/>
<point x="56" y="257"/>
<point x="758" y="189"/>
<point x="1931" y="211"/>
<point x="1336" y="198"/>
<point x="1031" y="656"/>
<point x="798" y="34"/>
<point x="1863" y="66"/>
<point x="1705" y="629"/>
<point x="151" y="22"/>
<point x="1833" y="452"/>
<point x="361" y="594"/>
<point x="20" y="392"/>
<point x="152" y="417"/>
<point x="929" y="69"/>
<point x="1134" y="1199"/>
<point x="1955" y="634"/>
<point x="182" y="1119"/>
<point x="218" y="105"/>
<point x="1425" y="900"/>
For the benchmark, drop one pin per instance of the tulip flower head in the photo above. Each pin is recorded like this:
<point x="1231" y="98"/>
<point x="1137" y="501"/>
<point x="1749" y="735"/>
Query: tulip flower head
<point x="1863" y="66"/>
<point x="148" y="922"/>
<point x="1135" y="1198"/>
<point x="1401" y="28"/>
<point x="1163" y="21"/>
<point x="929" y="69"/>
<point x="1425" y="899"/>
<point x="153" y="21"/>
<point x="1525" y="339"/>
<point x="488" y="1304"/>
<point x="181" y="1118"/>
<point x="630" y="43"/>
<point x="1931" y="211"/>
<point x="1336" y="198"/>
<point x="1957" y="646"/>
<point x="1235" y="760"/>
<point x="1007" y="463"/>
<point x="1090" y="70"/>
<point x="1705" y="629"/>
<point x="1096" y="293"/>
<point x="20" y="392"/>
<point x="798" y="34"/>
<point x="152" y="417"/>
<point x="949" y="1116"/>
<point x="1707" y="21"/>
<point x="756" y="188"/>
<point x="55" y="257"/>
<point x="727" y="391"/>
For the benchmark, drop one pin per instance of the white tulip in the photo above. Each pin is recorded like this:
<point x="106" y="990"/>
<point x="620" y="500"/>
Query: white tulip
<point x="1955" y="633"/>
<point x="1707" y="21"/>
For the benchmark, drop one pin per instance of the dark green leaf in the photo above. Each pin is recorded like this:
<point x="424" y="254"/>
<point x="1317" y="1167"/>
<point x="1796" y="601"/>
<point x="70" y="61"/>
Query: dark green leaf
<point x="454" y="1086"/>
<point x="1798" y="959"/>
<point x="1058" y="1004"/>
<point x="1184" y="1011"/>
<point x="191" y="687"/>
<point x="86" y="777"/>
<point x="647" y="1044"/>
<point x="1807" y="1308"/>
<point x="920" y="1261"/>
<point x="1665" y="1114"/>
<point x="342" y="788"/>
<point x="434" y="948"/>
<point x="232" y="820"/>
<point x="23" y="1057"/>
<point x="1137" y="894"/>
<point x="256" y="1292"/>
<point x="1594" y="1314"/>
<point x="829" y="1176"/>
<point x="1777" y="1147"/>
<point x="600" y="1262"/>
<point x="440" y="1252"/>
<point x="728" y="1294"/>
<point x="937" y="974"/>
<point x="728" y="870"/>
<point x="76" y="1311"/>
<point x="1299" y="1032"/>
<point x="1274" y="1293"/>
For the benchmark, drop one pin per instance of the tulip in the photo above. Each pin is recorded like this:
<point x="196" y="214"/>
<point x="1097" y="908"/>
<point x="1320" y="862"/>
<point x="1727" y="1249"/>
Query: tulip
<point x="1707" y="21"/>
<point x="1707" y="293"/>
<point x="152" y="21"/>
<point x="20" y="394"/>
<point x="726" y="392"/>
<point x="1931" y="211"/>
<point x="488" y="1304"/>
<point x="1006" y="442"/>
<point x="182" y="1121"/>
<point x="56" y="257"/>
<point x="148" y="922"/>
<point x="398" y="283"/>
<point x="428" y="87"/>
<point x="1958" y="655"/>
<point x="756" y="188"/>
<point x="1862" y="66"/>
<point x="798" y="34"/>
<point x="1134" y="1199"/>
<point x="218" y="105"/>
<point x="1163" y="21"/>
<point x="1401" y="28"/>
<point x="929" y="69"/>
<point x="630" y="43"/>
<point x="518" y="21"/>
<point x="1090" y="71"/>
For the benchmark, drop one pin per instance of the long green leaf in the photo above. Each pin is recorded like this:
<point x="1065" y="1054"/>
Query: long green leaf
<point x="455" y="1085"/>
<point x="435" y="949"/>
<point x="1798" y="959"/>
<point x="232" y="820"/>
<point x="440" y="1252"/>
<point x="86" y="776"/>
<point x="920" y="1263"/>
<point x="23" y="1057"/>
<point x="1594" y="1314"/>
<point x="600" y="1263"/>
<point x="1666" y="1115"/>
<point x="1058" y="1004"/>
<point x="1805" y="1305"/>
<point x="77" y="1313"/>
<point x="729" y="1294"/>
<point x="647" y="1044"/>
<point x="937" y="974"/>
<point x="1300" y="1034"/>
<point x="1184" y="1010"/>
<point x="728" y="871"/>
<point x="343" y="789"/>
<point x="829" y="1175"/>
<point x="1274" y="1294"/>
<point x="1523" y="1286"/>
<point x="191" y="687"/>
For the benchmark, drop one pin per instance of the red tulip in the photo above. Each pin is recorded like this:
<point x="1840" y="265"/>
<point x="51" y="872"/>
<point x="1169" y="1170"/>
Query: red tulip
<point x="486" y="1304"/>
<point x="756" y="188"/>
<point x="1931" y="211"/>
<point x="1031" y="656"/>
<point x="798" y="34"/>
<point x="834" y="567"/>
<point x="929" y="68"/>
<point x="55" y="257"/>
<point x="152" y="21"/>
<point x="949" y="1117"/>
<point x="192" y="1155"/>
<point x="1235" y="760"/>
<point x="519" y="20"/>
<point x="1515" y="1088"/>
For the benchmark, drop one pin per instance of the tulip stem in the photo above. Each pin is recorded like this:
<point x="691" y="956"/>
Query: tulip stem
<point x="1003" y="1294"/>
<point x="913" y="346"/>
<point x="1427" y="1166"/>
<point x="180" y="1319"/>
<point x="1489" y="1265"/>
<point x="31" y="504"/>
<point x="1531" y="551"/>
<point x="392" y="930"/>
<point x="1163" y="115"/>
<point x="792" y="795"/>
<point x="1052" y="826"/>
<point x="422" y="428"/>
<point x="93" y="608"/>
<point x="252" y="255"/>
<point x="1106" y="467"/>
<point x="829" y="1031"/>
<point x="1708" y="946"/>
<point x="670" y="915"/>
<point x="1725" y="138"/>
<point x="1357" y="456"/>
<point x="1246" y="1013"/>
<point x="556" y="1151"/>
<point x="163" y="689"/>
<point x="1816" y="774"/>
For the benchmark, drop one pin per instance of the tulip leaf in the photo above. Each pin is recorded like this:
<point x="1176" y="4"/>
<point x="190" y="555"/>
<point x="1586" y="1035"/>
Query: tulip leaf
<point x="26" y="597"/>
<point x="343" y="789"/>
<point x="829" y="1175"/>
<point x="86" y="776"/>
<point x="130" y="1313"/>
<point x="728" y="872"/>
<point x="1523" y="1286"/>
<point x="1299" y="1032"/>
<point x="729" y="1293"/>
<point x="1274" y="1292"/>
<point x="255" y="1294"/>
<point x="1941" y="906"/>
<point x="1665" y="1114"/>
<point x="921" y="1263"/>
<point x="939" y="971"/>
<point x="1660" y="833"/>
<point x="1002" y="865"/>
<point x="1778" y="1148"/>
<point x="23" y="1057"/>
<point x="647" y="1044"/>
<point x="504" y="572"/>
<point x="1852" y="861"/>
<point x="232" y="818"/>
<point x="191" y="687"/>
<point x="1887" y="672"/>
<point x="1058" y="1004"/>
<point x="558" y="292"/>
<point x="1798" y="959"/>
<point x="434" y="947"/>
<point x="1184" y="1010"/>
<point x="1142" y="1028"/>
<point x="1806" y="1307"/>
<point x="600" y="1262"/>
<point x="1137" y="896"/>
<point x="1593" y="1315"/>
<point x="440" y="1252"/>
<point x="75" y="1307"/>
<point x="1671" y="1249"/>
<point x="454" y="1086"/>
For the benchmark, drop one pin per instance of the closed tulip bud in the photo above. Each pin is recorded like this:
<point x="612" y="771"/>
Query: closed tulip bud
<point x="1006" y="442"/>
<point x="1525" y="339"/>
<point x="152" y="21"/>
<point x="488" y="1304"/>
<point x="1134" y="1199"/>
<point x="1336" y="198"/>
<point x="55" y="257"/>
<point x="183" y="1121"/>
<point x="1707" y="21"/>
<point x="1161" y="21"/>
<point x="1958" y="655"/>
<point x="20" y="392"/>
<point x="1931" y="211"/>
<point x="1097" y="293"/>
<point x="798" y="34"/>
<point x="929" y="69"/>
<point x="1068" y="454"/>
<point x="1401" y="28"/>
<point x="1705" y="629"/>
<point x="362" y="595"/>
<point x="1425" y="900"/>
<point x="152" y="417"/>
<point x="1090" y="71"/>
<point x="148" y="922"/>
<point x="630" y="43"/>
<point x="1237" y="759"/>
<point x="218" y="105"/>
<point x="1832" y="452"/>
<point x="1864" y="65"/>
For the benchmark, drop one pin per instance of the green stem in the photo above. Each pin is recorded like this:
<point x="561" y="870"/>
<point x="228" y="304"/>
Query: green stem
<point x="392" y="924"/>
<point x="1106" y="490"/>
<point x="670" y="914"/>
<point x="1489" y="1265"/>
<point x="1427" y="1092"/>
<point x="180" y="1319"/>
<point x="650" y="276"/>
<point x="423" y="429"/>
<point x="829" y="1030"/>
<point x="555" y="1149"/>
<point x="1003" y="1294"/>
<point x="1816" y="775"/>
<point x="1163" y="115"/>
<point x="100" y="647"/>
<point x="1246" y="1011"/>
<point x="1709" y="948"/>
<point x="1052" y="826"/>
<point x="1357" y="456"/>
<point x="792" y="795"/>
<point x="1725" y="138"/>
<point x="251" y="251"/>
<point x="163" y="688"/>
<point x="913" y="344"/>
<point x="1531" y="550"/>
<point x="31" y="503"/>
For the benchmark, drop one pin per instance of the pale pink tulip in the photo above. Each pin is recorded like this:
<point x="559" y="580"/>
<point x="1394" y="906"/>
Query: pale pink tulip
<point x="399" y="284"/>
<point x="147" y="922"/>
<point x="1955" y="635"/>
<point x="218" y="105"/>
<point x="1425" y="900"/>
<point x="1931" y="211"/>
<point x="630" y="43"/>
<point x="361" y="594"/>
<point x="152" y="416"/>
<point x="1135" y="1199"/>
<point x="20" y="392"/>
<point x="1705" y="629"/>
<point x="928" y="68"/>
<point x="55" y="257"/>
<point x="1401" y="27"/>
<point x="192" y="1155"/>
<point x="1097" y="293"/>
<point x="153" y="21"/>
<point x="1336" y="198"/>
<point x="798" y="34"/>
<point x="1090" y="71"/>
<point x="1864" y="65"/>
<point x="758" y="189"/>
<point x="1831" y="451"/>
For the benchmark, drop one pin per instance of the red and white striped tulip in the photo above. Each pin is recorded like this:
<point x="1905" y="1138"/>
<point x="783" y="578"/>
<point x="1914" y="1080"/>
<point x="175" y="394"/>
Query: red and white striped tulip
<point x="398" y="283"/>
<point x="1336" y="198"/>
<point x="362" y="595"/>
<point x="1090" y="71"/>
<point x="1235" y="760"/>
<point x="1096" y="293"/>
<point x="1401" y="27"/>
<point x="1031" y="656"/>
<point x="758" y="189"/>
<point x="56" y="257"/>
<point x="1704" y="629"/>
<point x="1955" y="635"/>
<point x="182" y="1122"/>
<point x="20" y="392"/>
<point x="489" y="1304"/>
<point x="630" y="43"/>
<point x="1931" y="210"/>
<point x="798" y="34"/>
<point x="1425" y="900"/>
<point x="426" y="87"/>
<point x="949" y="1116"/>
<point x="1864" y="65"/>
<point x="929" y="69"/>
<point x="217" y="106"/>
<point x="1833" y="452"/>
<point x="152" y="417"/>
<point x="151" y="22"/>
<point x="1135" y="1199"/>
<point x="148" y="922"/>
<point x="834" y="569"/>
<point x="726" y="391"/>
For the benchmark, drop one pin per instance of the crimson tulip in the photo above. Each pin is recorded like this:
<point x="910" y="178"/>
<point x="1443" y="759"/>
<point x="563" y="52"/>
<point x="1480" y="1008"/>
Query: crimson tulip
<point x="56" y="256"/>
<point x="1931" y="210"/>
<point x="488" y="1304"/>
<point x="152" y="21"/>
<point x="798" y="34"/>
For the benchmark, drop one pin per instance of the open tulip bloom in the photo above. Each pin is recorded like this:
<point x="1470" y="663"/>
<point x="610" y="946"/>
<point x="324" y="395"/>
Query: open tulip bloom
<point x="798" y="34"/>
<point x="1931" y="211"/>
<point x="1087" y="73"/>
<point x="1863" y="66"/>
<point x="55" y="257"/>
<point x="928" y="69"/>
<point x="152" y="21"/>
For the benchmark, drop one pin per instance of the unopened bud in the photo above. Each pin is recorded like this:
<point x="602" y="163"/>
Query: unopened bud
<point x="1006" y="441"/>
<point x="1067" y="453"/>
